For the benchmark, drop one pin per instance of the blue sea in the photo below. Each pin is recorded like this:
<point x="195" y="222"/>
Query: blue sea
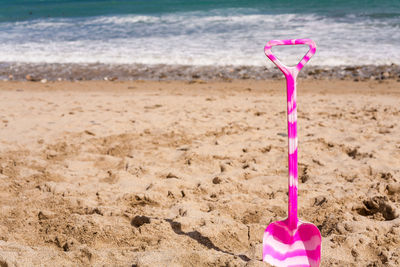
<point x="189" y="32"/>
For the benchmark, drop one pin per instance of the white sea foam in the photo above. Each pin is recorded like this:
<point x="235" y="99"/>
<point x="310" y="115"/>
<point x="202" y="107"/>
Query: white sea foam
<point x="198" y="38"/>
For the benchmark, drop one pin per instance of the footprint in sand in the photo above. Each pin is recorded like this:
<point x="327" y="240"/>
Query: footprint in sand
<point x="379" y="208"/>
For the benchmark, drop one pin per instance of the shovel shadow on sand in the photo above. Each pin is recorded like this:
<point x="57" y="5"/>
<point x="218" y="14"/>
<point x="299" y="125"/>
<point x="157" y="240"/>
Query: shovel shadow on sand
<point x="202" y="240"/>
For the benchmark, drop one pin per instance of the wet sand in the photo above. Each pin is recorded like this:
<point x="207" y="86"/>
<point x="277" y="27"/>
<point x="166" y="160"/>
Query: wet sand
<point x="162" y="72"/>
<point x="179" y="173"/>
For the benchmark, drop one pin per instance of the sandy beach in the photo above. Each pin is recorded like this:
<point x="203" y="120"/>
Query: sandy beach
<point x="178" y="173"/>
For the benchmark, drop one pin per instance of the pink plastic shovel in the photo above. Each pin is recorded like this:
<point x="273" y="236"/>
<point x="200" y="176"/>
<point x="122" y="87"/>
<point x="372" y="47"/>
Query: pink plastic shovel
<point x="291" y="242"/>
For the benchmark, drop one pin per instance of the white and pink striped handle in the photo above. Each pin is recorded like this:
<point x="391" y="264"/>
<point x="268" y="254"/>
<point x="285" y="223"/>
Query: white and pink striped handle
<point x="285" y="69"/>
<point x="291" y="75"/>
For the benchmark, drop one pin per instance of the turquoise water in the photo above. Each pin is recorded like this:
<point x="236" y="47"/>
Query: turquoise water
<point x="196" y="32"/>
<point x="13" y="10"/>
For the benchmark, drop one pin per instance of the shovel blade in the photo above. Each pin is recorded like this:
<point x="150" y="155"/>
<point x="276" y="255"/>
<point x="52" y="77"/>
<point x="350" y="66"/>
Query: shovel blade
<point x="284" y="247"/>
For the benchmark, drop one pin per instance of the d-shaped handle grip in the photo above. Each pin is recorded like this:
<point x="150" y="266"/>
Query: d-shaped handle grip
<point x="285" y="69"/>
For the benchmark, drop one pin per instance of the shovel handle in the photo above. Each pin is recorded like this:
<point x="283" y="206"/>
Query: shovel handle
<point x="291" y="75"/>
<point x="285" y="69"/>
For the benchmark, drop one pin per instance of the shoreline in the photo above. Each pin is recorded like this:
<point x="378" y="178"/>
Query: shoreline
<point x="160" y="72"/>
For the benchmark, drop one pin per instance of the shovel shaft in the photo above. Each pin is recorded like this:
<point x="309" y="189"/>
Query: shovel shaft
<point x="292" y="148"/>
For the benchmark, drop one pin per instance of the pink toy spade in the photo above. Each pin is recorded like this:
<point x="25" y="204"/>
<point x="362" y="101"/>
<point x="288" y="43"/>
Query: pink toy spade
<point x="291" y="242"/>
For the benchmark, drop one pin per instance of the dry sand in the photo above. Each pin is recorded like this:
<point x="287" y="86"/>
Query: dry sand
<point x="190" y="174"/>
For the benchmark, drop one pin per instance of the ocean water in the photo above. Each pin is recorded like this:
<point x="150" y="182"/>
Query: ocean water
<point x="190" y="32"/>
